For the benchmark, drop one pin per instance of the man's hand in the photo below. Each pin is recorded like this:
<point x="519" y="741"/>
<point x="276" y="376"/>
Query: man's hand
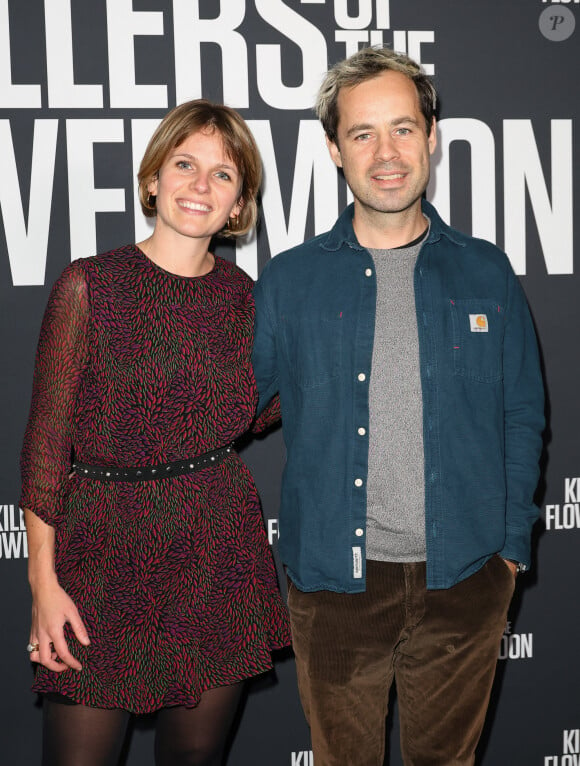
<point x="513" y="567"/>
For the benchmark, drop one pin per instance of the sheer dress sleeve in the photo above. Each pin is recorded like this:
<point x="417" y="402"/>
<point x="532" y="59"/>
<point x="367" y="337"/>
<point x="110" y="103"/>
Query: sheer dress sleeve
<point x="60" y="360"/>
<point x="269" y="417"/>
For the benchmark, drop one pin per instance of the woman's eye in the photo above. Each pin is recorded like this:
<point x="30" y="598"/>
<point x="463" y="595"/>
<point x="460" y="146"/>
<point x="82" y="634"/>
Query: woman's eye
<point x="184" y="165"/>
<point x="223" y="175"/>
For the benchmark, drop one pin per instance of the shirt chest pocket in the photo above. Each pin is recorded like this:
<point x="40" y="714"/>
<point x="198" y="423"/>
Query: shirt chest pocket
<point x="312" y="346"/>
<point x="478" y="329"/>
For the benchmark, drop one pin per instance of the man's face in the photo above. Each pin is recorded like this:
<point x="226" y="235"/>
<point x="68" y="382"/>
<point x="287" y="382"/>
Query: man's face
<point x="382" y="145"/>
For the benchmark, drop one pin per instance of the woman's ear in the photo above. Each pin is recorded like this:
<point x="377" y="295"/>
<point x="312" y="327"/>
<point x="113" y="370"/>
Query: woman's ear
<point x="153" y="184"/>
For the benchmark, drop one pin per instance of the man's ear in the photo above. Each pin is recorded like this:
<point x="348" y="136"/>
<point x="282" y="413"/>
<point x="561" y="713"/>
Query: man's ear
<point x="432" y="137"/>
<point x="334" y="152"/>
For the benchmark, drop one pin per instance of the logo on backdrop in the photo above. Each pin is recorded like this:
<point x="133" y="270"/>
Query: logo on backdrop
<point x="570" y="750"/>
<point x="516" y="646"/>
<point x="13" y="540"/>
<point x="566" y="515"/>
<point x="257" y="70"/>
<point x="302" y="758"/>
<point x="278" y="76"/>
<point x="273" y="530"/>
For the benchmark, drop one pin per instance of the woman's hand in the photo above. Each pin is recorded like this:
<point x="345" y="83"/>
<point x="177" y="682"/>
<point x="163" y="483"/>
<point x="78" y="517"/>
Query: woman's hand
<point x="52" y="608"/>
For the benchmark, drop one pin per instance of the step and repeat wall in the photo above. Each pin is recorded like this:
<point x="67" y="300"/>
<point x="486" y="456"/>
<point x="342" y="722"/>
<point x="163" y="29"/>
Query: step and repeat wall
<point x="82" y="86"/>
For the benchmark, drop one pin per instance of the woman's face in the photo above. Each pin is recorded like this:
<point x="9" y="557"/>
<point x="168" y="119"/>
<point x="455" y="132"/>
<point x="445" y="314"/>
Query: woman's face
<point x="197" y="188"/>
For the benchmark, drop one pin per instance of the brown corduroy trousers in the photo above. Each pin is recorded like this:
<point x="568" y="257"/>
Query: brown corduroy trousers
<point x="440" y="647"/>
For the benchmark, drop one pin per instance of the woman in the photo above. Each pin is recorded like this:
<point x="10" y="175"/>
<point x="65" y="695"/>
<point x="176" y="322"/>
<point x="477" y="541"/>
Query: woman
<point x="152" y="581"/>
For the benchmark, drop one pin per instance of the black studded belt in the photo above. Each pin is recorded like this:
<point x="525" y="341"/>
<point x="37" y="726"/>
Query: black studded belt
<point x="148" y="473"/>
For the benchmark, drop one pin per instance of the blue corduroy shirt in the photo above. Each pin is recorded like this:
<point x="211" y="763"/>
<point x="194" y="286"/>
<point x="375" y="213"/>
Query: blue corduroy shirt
<point x="483" y="402"/>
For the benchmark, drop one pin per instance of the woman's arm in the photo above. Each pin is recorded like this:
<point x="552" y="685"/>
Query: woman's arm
<point x="46" y="463"/>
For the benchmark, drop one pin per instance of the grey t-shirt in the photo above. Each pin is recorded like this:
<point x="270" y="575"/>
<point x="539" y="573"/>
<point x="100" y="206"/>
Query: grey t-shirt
<point x="396" y="484"/>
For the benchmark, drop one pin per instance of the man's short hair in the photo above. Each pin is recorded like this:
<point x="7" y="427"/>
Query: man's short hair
<point x="365" y="65"/>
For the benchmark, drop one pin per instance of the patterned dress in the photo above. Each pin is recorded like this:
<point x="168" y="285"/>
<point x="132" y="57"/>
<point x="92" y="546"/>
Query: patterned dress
<point x="173" y="578"/>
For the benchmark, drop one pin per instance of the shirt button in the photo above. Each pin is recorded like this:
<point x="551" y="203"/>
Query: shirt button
<point x="359" y="532"/>
<point x="358" y="482"/>
<point x="361" y="376"/>
<point x="362" y="431"/>
<point x="368" y="272"/>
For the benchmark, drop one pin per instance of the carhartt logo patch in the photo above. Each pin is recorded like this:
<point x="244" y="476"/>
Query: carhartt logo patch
<point x="478" y="323"/>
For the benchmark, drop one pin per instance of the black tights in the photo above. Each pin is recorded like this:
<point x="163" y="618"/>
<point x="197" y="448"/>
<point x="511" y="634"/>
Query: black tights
<point x="76" y="735"/>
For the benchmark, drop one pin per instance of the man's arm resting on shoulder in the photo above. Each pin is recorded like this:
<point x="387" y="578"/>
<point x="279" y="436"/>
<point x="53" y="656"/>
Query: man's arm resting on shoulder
<point x="264" y="357"/>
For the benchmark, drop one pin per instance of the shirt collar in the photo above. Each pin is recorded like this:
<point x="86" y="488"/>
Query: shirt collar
<point x="343" y="233"/>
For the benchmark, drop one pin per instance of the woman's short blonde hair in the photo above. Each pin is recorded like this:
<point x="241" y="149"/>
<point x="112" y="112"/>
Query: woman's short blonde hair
<point x="239" y="145"/>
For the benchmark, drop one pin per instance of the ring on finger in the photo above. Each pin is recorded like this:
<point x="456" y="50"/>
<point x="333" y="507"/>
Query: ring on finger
<point x="32" y="648"/>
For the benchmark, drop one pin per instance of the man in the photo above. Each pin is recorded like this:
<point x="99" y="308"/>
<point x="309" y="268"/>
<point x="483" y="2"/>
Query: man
<point x="412" y="408"/>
